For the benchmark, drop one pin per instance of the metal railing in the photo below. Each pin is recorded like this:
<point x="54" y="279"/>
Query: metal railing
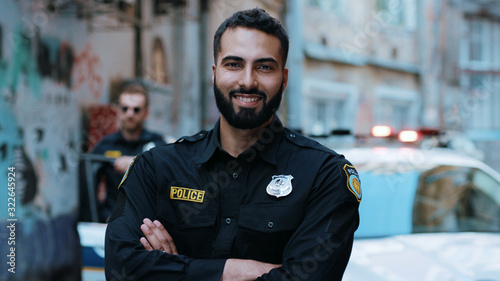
<point x="88" y="161"/>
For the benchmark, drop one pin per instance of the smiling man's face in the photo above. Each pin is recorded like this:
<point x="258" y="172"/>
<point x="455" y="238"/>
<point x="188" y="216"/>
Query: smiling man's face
<point x="249" y="78"/>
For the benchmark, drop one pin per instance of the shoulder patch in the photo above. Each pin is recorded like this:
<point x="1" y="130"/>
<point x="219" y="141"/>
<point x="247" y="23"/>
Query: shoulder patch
<point x="353" y="182"/>
<point x="126" y="173"/>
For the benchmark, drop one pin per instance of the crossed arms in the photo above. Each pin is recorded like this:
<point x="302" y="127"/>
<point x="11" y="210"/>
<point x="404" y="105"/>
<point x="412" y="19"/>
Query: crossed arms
<point x="318" y="249"/>
<point x="158" y="238"/>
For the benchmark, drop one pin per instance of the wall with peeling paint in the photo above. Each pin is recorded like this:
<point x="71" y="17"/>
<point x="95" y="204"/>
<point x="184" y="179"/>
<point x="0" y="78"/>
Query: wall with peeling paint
<point x="39" y="137"/>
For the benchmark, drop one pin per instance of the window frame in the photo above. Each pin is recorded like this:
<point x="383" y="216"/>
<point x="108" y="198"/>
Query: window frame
<point x="329" y="93"/>
<point x="405" y="12"/>
<point x="384" y="94"/>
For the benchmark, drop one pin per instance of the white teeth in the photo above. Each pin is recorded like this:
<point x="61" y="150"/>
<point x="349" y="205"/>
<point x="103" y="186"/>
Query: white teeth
<point x="247" y="99"/>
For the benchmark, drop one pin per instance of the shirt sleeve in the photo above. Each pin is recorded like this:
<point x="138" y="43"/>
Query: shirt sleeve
<point x="320" y="248"/>
<point x="125" y="257"/>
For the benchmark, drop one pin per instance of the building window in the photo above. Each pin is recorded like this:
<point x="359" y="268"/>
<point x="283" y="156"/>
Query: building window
<point x="481" y="102"/>
<point x="398" y="12"/>
<point x="158" y="63"/>
<point x="329" y="106"/>
<point x="480" y="64"/>
<point x="481" y="45"/>
<point x="336" y="6"/>
<point x="395" y="107"/>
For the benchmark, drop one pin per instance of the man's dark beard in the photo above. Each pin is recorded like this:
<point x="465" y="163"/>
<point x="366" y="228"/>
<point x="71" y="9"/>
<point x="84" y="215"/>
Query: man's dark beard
<point x="247" y="118"/>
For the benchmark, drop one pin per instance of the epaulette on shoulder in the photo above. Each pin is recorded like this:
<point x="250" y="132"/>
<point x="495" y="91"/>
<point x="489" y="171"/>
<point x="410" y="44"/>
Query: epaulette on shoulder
<point x="303" y="141"/>
<point x="193" y="138"/>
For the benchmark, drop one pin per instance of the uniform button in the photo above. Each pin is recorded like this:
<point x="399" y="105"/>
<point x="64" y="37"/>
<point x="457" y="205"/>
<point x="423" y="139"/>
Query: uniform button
<point x="235" y="175"/>
<point x="180" y="140"/>
<point x="270" y="224"/>
<point x="228" y="220"/>
<point x="292" y="135"/>
<point x="201" y="134"/>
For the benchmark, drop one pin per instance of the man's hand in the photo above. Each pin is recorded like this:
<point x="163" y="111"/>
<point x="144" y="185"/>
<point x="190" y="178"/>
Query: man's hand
<point x="157" y="237"/>
<point x="122" y="163"/>
<point x="243" y="270"/>
<point x="102" y="190"/>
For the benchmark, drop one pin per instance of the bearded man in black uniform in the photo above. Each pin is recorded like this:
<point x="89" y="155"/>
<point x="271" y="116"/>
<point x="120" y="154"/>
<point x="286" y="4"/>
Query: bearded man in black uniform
<point x="249" y="199"/>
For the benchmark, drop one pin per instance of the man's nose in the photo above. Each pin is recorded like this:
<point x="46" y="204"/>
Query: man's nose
<point x="248" y="79"/>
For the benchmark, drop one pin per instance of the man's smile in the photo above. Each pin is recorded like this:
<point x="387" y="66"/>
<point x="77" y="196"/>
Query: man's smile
<point x="247" y="100"/>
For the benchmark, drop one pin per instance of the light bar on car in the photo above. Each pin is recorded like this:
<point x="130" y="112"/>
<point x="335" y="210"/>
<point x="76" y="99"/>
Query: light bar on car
<point x="408" y="136"/>
<point x="381" y="131"/>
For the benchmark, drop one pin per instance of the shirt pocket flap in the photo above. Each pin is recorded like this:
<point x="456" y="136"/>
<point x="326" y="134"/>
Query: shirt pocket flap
<point x="184" y="214"/>
<point x="271" y="218"/>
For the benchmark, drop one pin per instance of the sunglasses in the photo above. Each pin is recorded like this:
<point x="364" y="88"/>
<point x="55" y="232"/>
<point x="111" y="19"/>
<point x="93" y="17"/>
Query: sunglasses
<point x="135" y="109"/>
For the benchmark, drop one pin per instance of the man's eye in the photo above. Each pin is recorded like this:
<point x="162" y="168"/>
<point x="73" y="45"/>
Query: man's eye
<point x="233" y="64"/>
<point x="266" y="67"/>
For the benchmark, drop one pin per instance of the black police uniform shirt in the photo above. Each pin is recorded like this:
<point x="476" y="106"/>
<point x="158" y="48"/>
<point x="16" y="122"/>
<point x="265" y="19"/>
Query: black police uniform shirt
<point x="114" y="146"/>
<point x="217" y="207"/>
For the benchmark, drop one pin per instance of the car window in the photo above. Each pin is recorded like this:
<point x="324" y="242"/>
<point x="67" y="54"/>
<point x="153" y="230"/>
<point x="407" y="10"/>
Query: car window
<point x="453" y="199"/>
<point x="487" y="184"/>
<point x="386" y="207"/>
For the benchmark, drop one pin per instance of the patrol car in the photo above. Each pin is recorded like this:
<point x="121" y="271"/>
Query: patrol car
<point x="426" y="214"/>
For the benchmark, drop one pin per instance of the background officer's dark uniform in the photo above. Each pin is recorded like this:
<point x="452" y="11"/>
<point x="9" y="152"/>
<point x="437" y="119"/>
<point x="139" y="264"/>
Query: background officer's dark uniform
<point x="310" y="231"/>
<point x="114" y="145"/>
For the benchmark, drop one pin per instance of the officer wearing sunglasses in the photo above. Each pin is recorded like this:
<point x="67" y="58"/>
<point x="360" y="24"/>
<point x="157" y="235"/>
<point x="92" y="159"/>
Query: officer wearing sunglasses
<point x="130" y="140"/>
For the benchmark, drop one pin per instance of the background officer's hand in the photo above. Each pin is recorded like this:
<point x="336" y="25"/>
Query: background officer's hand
<point x="157" y="237"/>
<point x="122" y="163"/>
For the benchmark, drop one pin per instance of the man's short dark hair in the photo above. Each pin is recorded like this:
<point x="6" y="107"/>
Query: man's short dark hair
<point x="257" y="19"/>
<point x="135" y="88"/>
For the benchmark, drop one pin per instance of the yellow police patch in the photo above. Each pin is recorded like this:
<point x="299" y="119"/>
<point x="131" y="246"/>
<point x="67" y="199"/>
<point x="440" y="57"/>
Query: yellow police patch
<point x="353" y="183"/>
<point x="187" y="194"/>
<point x="126" y="173"/>
<point x="113" y="153"/>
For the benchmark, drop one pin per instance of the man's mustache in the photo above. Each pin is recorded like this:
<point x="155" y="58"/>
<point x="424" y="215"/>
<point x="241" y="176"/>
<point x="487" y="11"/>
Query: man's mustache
<point x="248" y="92"/>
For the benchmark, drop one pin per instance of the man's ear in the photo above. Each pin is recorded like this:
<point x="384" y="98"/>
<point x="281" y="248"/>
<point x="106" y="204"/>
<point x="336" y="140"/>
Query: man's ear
<point x="285" y="78"/>
<point x="213" y="74"/>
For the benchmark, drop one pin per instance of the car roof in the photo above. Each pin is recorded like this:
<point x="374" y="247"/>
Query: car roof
<point x="418" y="158"/>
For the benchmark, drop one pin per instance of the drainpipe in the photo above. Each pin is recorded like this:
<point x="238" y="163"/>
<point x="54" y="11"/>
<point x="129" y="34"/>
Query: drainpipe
<point x="293" y="96"/>
<point x="205" y="70"/>
<point x="424" y="67"/>
<point x="137" y="39"/>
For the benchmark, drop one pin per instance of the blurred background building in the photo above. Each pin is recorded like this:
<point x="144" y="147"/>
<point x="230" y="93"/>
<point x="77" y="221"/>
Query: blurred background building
<point x="353" y="64"/>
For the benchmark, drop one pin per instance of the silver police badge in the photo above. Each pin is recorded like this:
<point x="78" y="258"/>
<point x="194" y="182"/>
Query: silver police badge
<point x="280" y="186"/>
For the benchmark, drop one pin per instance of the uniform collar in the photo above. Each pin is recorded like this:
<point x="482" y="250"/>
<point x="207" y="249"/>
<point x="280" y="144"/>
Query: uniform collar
<point x="213" y="144"/>
<point x="266" y="146"/>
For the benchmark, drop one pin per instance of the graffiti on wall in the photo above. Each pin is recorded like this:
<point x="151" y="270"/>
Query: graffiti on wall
<point x="87" y="72"/>
<point x="39" y="137"/>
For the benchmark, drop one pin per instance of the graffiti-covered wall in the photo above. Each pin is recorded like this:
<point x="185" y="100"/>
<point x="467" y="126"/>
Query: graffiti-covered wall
<point x="46" y="73"/>
<point x="58" y="59"/>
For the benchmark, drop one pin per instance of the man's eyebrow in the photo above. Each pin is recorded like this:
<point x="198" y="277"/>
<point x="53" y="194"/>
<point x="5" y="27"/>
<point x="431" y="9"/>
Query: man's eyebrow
<point x="239" y="59"/>
<point x="266" y="60"/>
<point x="232" y="58"/>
